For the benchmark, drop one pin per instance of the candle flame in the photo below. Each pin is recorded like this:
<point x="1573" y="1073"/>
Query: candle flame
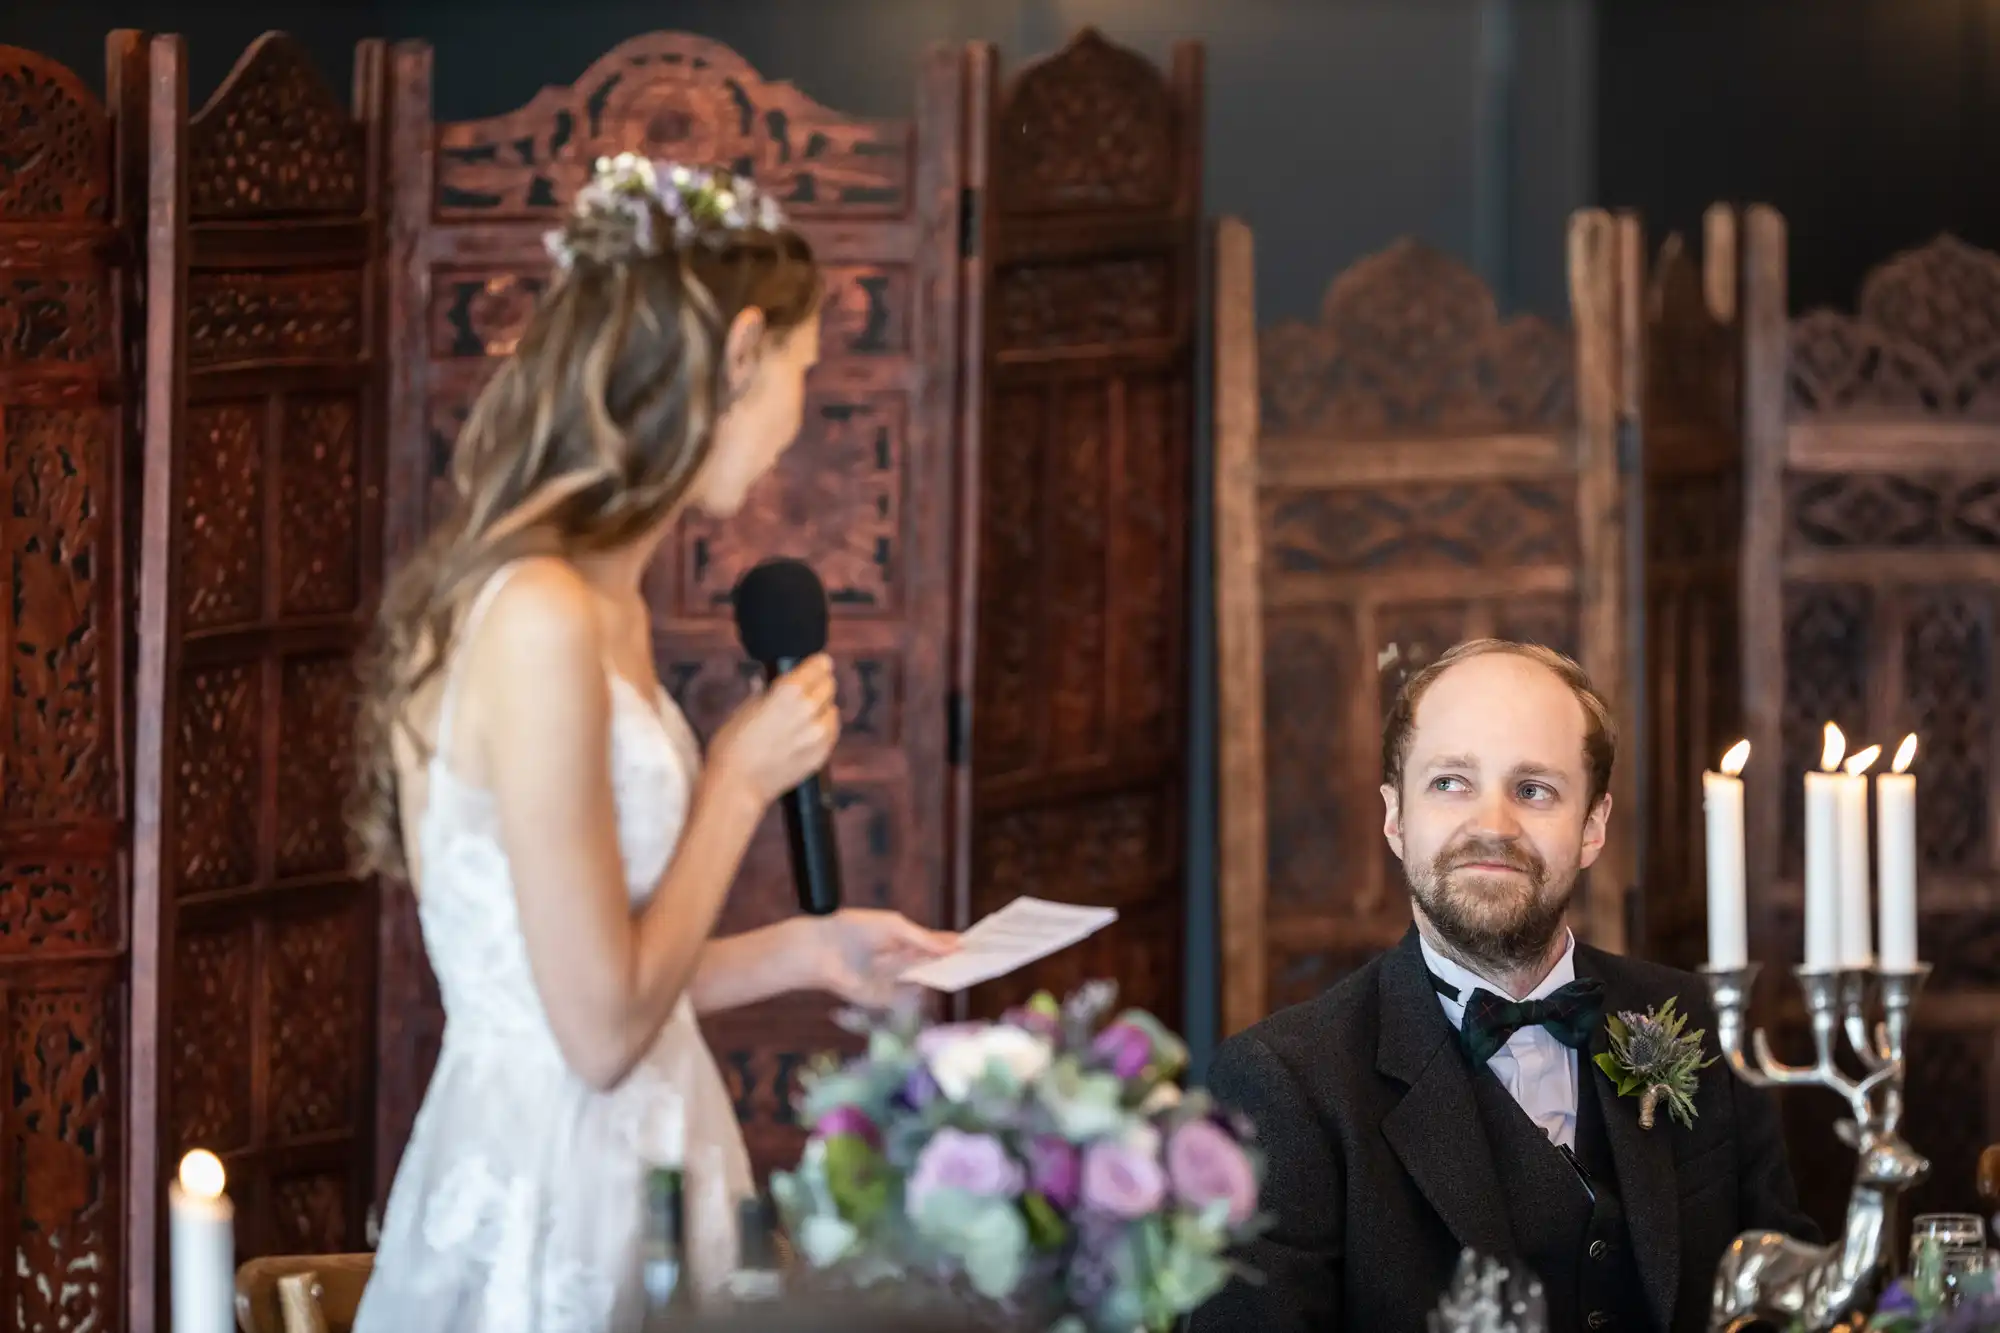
<point x="1836" y="746"/>
<point x="1735" y="758"/>
<point x="202" y="1175"/>
<point x="1905" y="752"/>
<point x="1858" y="762"/>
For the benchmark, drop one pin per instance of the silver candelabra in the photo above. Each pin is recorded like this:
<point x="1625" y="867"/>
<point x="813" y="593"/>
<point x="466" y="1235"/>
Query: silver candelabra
<point x="1769" y="1277"/>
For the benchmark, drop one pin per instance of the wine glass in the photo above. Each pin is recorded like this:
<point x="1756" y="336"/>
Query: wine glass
<point x="1960" y="1241"/>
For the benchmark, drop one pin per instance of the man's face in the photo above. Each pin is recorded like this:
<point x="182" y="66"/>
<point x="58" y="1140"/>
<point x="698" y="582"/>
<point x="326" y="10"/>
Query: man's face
<point x="1492" y="822"/>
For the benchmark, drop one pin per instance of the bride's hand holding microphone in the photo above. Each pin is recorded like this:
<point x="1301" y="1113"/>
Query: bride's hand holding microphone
<point x="779" y="738"/>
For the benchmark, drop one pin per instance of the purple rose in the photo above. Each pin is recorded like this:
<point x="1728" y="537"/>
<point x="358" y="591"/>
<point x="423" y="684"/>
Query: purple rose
<point x="848" y="1122"/>
<point x="1052" y="1171"/>
<point x="1120" y="1181"/>
<point x="1206" y="1165"/>
<point x="974" y="1163"/>
<point x="1125" y="1048"/>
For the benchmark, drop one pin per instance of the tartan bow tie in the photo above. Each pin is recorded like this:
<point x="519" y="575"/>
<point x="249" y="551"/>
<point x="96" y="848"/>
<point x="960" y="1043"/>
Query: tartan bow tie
<point x="1569" y="1013"/>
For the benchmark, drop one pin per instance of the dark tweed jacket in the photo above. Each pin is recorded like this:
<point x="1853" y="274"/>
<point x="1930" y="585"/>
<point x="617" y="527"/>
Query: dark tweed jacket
<point x="1380" y="1172"/>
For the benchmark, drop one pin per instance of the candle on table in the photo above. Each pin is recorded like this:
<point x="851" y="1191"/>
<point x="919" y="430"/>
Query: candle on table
<point x="1728" y="910"/>
<point x="1896" y="859"/>
<point x="1857" y="923"/>
<point x="1823" y="856"/>
<point x="201" y="1225"/>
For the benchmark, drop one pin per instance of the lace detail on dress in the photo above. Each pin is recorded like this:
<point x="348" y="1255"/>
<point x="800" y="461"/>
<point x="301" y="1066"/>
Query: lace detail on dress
<point x="517" y="1206"/>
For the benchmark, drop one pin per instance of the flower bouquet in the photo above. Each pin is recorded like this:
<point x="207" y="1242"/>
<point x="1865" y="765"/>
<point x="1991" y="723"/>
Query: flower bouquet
<point x="1924" y="1302"/>
<point x="1047" y="1165"/>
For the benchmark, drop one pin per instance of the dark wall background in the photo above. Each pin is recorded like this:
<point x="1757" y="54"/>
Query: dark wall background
<point x="1334" y="126"/>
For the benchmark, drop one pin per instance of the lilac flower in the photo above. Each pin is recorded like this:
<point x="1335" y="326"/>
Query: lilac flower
<point x="1205" y="1165"/>
<point x="848" y="1122"/>
<point x="1053" y="1171"/>
<point x="1121" y="1182"/>
<point x="976" y="1164"/>
<point x="1125" y="1048"/>
<point x="920" y="1089"/>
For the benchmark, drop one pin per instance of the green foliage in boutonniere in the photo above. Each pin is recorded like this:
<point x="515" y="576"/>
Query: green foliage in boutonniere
<point x="1651" y="1058"/>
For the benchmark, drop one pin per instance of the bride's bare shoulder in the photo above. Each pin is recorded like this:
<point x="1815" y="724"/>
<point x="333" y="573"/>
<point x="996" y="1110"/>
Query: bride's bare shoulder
<point x="542" y="625"/>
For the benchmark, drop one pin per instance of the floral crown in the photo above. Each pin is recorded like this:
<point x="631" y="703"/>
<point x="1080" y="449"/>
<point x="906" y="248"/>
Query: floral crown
<point x="704" y="204"/>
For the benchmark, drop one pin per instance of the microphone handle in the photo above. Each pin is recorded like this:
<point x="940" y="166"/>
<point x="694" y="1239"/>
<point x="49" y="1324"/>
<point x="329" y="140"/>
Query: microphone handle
<point x="808" y="812"/>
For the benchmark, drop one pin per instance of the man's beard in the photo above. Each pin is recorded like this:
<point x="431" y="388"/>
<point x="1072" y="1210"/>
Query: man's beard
<point x="1503" y="923"/>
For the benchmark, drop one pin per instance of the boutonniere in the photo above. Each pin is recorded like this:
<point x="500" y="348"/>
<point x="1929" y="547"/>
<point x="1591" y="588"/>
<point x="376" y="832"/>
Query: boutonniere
<point x="1651" y="1058"/>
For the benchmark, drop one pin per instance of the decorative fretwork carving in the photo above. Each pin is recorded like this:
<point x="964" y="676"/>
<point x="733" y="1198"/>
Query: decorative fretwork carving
<point x="1472" y="525"/>
<point x="1863" y="509"/>
<point x="1947" y="675"/>
<point x="57" y="157"/>
<point x="317" y="1024"/>
<point x="1409" y="342"/>
<point x="1826" y="680"/>
<point x="319" y="563"/>
<point x="274" y="140"/>
<point x="1089" y="303"/>
<point x="835" y="501"/>
<point x="52" y="905"/>
<point x="239" y="317"/>
<point x="209" y="1056"/>
<point x="64" y="1073"/>
<point x="48" y="321"/>
<point x="1090" y="127"/>
<point x="60" y="756"/>
<point x="669" y="95"/>
<point x="1925" y="338"/>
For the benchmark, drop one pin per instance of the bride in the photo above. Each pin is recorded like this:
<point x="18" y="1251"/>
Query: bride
<point x="524" y="770"/>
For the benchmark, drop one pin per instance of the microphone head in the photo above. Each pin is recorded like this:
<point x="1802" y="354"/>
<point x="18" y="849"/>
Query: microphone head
<point x="781" y="611"/>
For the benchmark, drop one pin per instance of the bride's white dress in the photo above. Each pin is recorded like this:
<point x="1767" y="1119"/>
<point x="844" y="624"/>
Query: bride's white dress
<point x="518" y="1204"/>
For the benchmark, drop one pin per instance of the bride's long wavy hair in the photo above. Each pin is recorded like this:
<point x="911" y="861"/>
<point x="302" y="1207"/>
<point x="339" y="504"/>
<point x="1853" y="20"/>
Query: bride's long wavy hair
<point x="588" y="436"/>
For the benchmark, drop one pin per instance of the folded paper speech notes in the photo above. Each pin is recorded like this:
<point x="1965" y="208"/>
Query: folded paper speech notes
<point x="1016" y="935"/>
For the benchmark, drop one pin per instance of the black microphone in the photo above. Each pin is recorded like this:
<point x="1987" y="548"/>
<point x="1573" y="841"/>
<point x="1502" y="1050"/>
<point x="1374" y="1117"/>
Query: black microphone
<point x="781" y="618"/>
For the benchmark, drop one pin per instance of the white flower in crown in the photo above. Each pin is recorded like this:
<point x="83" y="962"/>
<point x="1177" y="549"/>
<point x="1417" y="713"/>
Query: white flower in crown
<point x="704" y="205"/>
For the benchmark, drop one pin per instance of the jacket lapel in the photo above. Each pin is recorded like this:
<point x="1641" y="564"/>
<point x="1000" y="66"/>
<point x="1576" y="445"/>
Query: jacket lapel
<point x="1435" y="1130"/>
<point x="1644" y="1158"/>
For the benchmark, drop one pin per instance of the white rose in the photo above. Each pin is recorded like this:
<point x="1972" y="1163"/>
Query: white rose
<point x="958" y="1064"/>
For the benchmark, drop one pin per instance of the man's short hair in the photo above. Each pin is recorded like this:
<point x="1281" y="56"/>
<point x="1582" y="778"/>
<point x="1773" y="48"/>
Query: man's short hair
<point x="1600" y="734"/>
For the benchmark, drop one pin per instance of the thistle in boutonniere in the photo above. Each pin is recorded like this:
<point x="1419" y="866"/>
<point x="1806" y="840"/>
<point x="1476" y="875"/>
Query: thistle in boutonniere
<point x="1653" y="1059"/>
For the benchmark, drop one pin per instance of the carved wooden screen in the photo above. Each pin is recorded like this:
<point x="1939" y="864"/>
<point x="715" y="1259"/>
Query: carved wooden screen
<point x="1693" y="496"/>
<point x="72" y="209"/>
<point x="1414" y="470"/>
<point x="865" y="495"/>
<point x="1090" y="210"/>
<point x="261" y="560"/>
<point x="1872" y="540"/>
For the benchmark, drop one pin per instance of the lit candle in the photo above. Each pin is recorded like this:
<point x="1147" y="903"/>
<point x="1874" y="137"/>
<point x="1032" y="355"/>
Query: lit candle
<point x="1896" y="859"/>
<point x="1728" y="912"/>
<point x="201" y="1226"/>
<point x="1823" y="856"/>
<point x="1857" y="922"/>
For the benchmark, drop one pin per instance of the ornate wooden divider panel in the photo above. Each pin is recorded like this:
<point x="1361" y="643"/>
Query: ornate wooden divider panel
<point x="262" y="541"/>
<point x="1693" y="525"/>
<point x="1090" y="211"/>
<point x="72" y="204"/>
<point x="866" y="494"/>
<point x="1407" y="472"/>
<point x="1872" y="553"/>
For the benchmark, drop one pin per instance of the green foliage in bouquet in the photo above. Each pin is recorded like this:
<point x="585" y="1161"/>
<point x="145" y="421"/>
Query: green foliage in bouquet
<point x="1049" y="1164"/>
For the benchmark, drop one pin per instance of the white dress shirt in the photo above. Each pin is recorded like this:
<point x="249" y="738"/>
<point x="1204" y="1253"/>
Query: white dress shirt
<point x="1538" y="1070"/>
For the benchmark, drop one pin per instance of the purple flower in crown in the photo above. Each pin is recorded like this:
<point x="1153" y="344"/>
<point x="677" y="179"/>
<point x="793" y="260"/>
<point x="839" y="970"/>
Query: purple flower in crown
<point x="919" y="1089"/>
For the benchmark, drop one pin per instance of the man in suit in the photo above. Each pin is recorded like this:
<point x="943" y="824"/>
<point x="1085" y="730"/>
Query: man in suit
<point x="1443" y="1096"/>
